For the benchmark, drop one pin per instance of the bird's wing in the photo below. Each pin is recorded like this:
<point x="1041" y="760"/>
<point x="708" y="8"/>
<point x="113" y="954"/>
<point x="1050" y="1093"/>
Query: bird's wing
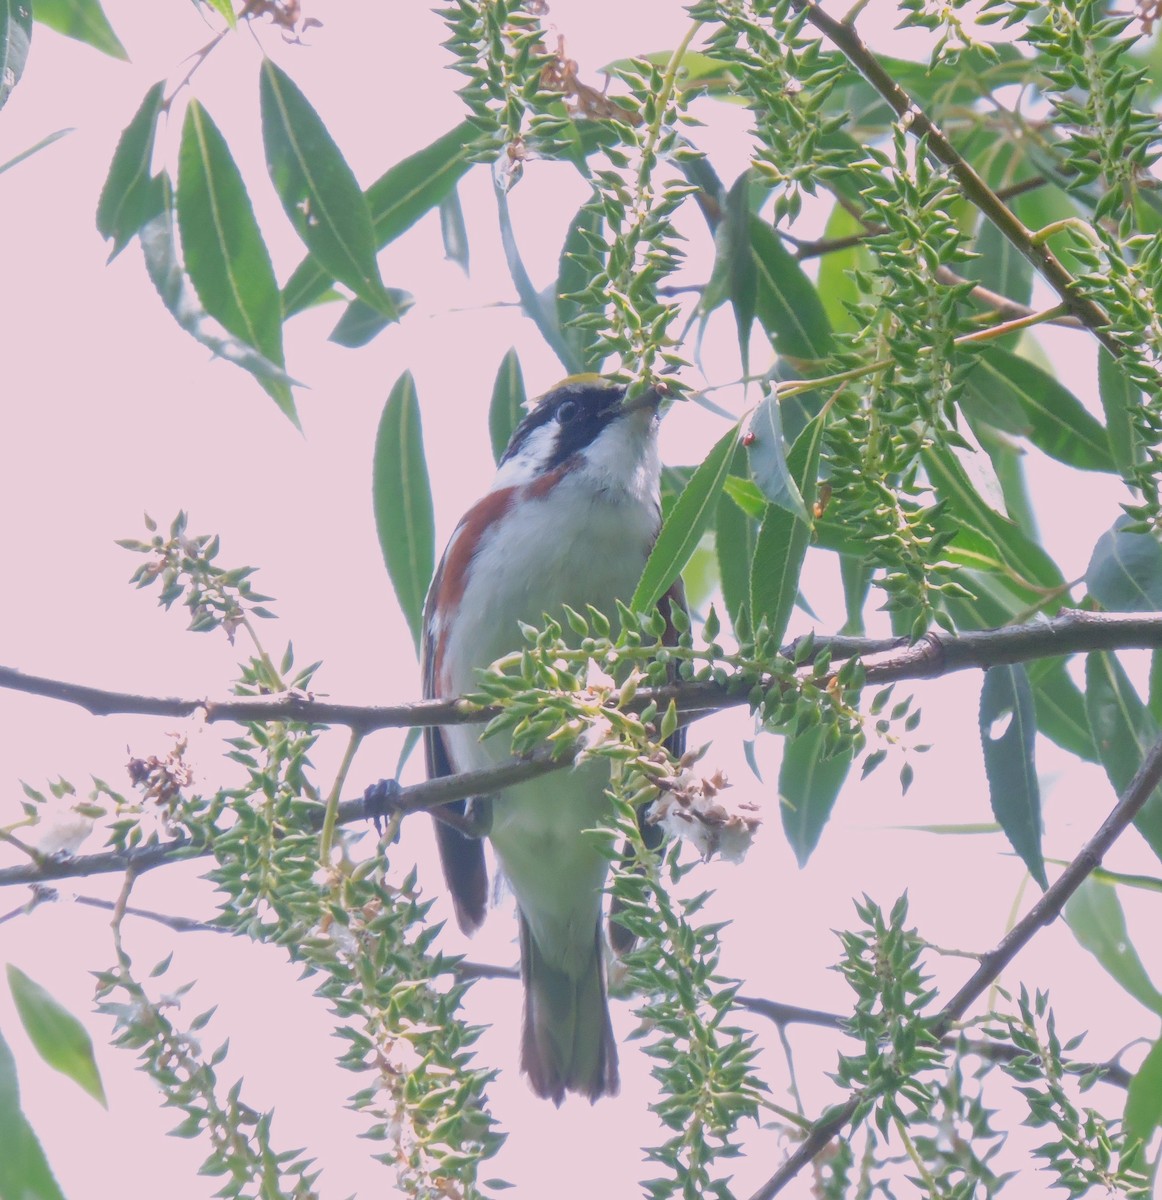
<point x="461" y="856"/>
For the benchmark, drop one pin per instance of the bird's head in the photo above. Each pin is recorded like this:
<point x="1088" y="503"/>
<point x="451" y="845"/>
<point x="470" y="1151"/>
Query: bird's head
<point x="584" y="429"/>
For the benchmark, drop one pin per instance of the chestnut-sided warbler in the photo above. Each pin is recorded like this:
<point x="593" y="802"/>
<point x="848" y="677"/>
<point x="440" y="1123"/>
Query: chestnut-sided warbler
<point x="570" y="519"/>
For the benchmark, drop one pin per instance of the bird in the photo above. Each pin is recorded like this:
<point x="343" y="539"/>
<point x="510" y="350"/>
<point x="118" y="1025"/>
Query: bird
<point x="570" y="519"/>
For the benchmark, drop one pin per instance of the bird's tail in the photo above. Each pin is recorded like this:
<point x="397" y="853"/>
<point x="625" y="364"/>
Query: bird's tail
<point x="567" y="1044"/>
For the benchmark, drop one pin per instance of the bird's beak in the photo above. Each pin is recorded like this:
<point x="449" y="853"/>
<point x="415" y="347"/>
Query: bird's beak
<point x="649" y="399"/>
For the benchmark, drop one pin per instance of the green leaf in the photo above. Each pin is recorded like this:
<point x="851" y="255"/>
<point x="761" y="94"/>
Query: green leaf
<point x="837" y="286"/>
<point x="47" y="140"/>
<point x="767" y="456"/>
<point x="735" y="534"/>
<point x="541" y="310"/>
<point x="856" y="576"/>
<point x="1060" y="708"/>
<point x="396" y="200"/>
<point x="15" y="35"/>
<point x="360" y="322"/>
<point x="808" y="787"/>
<point x="1055" y="420"/>
<point x="1144" y="1098"/>
<point x="402" y="498"/>
<point x="1124" y="731"/>
<point x="1125" y="570"/>
<point x="226" y="9"/>
<point x="1008" y="732"/>
<point x="572" y="280"/>
<point x="1120" y="399"/>
<point x="1022" y="558"/>
<point x="83" y="20"/>
<point x="132" y="195"/>
<point x="1000" y="266"/>
<point x="225" y="255"/>
<point x="159" y="247"/>
<point x="60" y="1039"/>
<point x="24" y="1170"/>
<point x="506" y="408"/>
<point x="734" y="275"/>
<point x="783" y="539"/>
<point x="683" y="528"/>
<point x="786" y="302"/>
<point x="318" y="190"/>
<point x="454" y="231"/>
<point x="1095" y="916"/>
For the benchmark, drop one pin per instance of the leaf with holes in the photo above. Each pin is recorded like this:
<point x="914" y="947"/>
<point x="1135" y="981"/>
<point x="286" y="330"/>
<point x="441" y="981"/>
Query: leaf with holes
<point x="396" y="200"/>
<point x="402" y="498"/>
<point x="15" y="35"/>
<point x="318" y="190"/>
<point x="1008" y="731"/>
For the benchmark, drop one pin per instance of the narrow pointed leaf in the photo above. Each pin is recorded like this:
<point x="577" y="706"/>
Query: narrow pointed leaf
<point x="1095" y="916"/>
<point x="735" y="535"/>
<point x="15" y="34"/>
<point x="1056" y="421"/>
<point x="1125" y="570"/>
<point x="360" y="323"/>
<point x="572" y="279"/>
<point x="1124" y="731"/>
<point x="318" y="190"/>
<point x="1060" y="708"/>
<point x="1008" y="732"/>
<point x="540" y="309"/>
<point x="735" y="276"/>
<point x="687" y="521"/>
<point x="1144" y="1098"/>
<point x="159" y="248"/>
<point x="767" y="455"/>
<point x="454" y="231"/>
<point x="132" y="195"/>
<point x="24" y="1170"/>
<point x="1120" y="399"/>
<point x="808" y="787"/>
<point x="396" y="201"/>
<point x="837" y="287"/>
<point x="402" y="498"/>
<point x="83" y="20"/>
<point x="507" y="405"/>
<point x="60" y="1039"/>
<point x="226" y="258"/>
<point x="783" y="539"/>
<point x="47" y="140"/>
<point x="786" y="302"/>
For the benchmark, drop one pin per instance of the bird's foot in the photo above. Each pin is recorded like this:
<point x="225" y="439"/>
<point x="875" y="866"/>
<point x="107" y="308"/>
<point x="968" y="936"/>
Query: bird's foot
<point x="379" y="802"/>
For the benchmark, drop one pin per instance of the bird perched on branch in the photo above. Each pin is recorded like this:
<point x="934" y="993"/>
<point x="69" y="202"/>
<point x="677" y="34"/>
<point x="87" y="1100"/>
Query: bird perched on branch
<point x="570" y="519"/>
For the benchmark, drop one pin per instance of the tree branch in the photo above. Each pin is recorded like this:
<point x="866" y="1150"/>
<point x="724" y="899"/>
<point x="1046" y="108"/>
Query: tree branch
<point x="420" y="797"/>
<point x="885" y="660"/>
<point x="852" y="46"/>
<point x="1044" y="912"/>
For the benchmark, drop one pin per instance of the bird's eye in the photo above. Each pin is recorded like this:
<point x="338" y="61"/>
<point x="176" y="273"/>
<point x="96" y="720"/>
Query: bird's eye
<point x="567" y="412"/>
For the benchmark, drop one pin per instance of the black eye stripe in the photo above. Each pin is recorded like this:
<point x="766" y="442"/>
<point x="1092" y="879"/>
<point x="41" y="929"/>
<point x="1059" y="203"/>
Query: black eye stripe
<point x="567" y="411"/>
<point x="579" y="412"/>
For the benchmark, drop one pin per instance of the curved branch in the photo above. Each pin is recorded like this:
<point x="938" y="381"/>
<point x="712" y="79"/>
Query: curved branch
<point x="885" y="660"/>
<point x="420" y="797"/>
<point x="844" y="36"/>
<point x="1044" y="912"/>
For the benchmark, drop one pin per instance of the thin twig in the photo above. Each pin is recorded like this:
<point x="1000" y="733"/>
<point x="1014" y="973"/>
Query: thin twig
<point x="913" y="117"/>
<point x="1044" y="912"/>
